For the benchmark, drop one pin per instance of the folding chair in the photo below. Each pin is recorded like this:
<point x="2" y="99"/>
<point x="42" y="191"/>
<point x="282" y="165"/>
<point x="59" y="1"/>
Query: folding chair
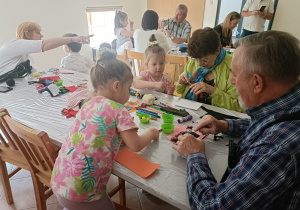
<point x="39" y="152"/>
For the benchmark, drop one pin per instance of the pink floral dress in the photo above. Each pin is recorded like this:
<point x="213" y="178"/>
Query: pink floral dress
<point x="84" y="163"/>
<point x="146" y="76"/>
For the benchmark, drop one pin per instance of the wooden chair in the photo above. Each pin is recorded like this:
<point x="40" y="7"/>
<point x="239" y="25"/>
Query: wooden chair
<point x="39" y="152"/>
<point x="137" y="61"/>
<point x="9" y="153"/>
<point x="175" y="66"/>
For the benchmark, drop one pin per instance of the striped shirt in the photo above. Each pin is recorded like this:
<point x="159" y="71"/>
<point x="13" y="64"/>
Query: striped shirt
<point x="268" y="173"/>
<point x="183" y="30"/>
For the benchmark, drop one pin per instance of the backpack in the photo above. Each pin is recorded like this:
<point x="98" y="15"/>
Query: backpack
<point x="20" y="71"/>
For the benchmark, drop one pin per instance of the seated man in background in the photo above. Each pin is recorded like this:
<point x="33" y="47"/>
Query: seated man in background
<point x="267" y="170"/>
<point x="178" y="28"/>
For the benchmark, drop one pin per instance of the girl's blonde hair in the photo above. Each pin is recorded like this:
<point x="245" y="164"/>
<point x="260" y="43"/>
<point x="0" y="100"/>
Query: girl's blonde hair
<point x="107" y="69"/>
<point x="227" y="32"/>
<point x="27" y="27"/>
<point x="154" y="48"/>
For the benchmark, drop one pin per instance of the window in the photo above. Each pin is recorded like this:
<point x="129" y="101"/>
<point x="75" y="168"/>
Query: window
<point x="101" y="24"/>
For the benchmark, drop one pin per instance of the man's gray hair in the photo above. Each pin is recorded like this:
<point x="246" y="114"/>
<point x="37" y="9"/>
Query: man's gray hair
<point x="183" y="7"/>
<point x="273" y="54"/>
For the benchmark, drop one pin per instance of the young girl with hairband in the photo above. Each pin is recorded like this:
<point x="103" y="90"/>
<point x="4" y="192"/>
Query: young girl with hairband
<point x="84" y="164"/>
<point x="155" y="63"/>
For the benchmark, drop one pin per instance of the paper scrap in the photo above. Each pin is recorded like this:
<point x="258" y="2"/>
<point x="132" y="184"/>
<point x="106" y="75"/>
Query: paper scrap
<point x="136" y="163"/>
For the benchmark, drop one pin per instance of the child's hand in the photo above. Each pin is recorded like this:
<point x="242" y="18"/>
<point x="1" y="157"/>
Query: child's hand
<point x="131" y="22"/>
<point x="184" y="79"/>
<point x="160" y="86"/>
<point x="155" y="133"/>
<point x="170" y="89"/>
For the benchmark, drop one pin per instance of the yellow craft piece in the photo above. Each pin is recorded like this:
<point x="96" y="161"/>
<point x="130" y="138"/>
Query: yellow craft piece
<point x="136" y="94"/>
<point x="144" y="118"/>
<point x="36" y="74"/>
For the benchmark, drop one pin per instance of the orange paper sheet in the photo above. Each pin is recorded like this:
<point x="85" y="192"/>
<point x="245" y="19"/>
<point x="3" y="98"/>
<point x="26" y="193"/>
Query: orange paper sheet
<point x="136" y="163"/>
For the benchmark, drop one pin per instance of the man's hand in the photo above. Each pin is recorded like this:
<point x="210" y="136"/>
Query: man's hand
<point x="184" y="79"/>
<point x="201" y="87"/>
<point x="210" y="125"/>
<point x="188" y="144"/>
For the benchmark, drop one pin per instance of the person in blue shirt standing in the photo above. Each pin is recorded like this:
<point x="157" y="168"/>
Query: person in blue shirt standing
<point x="267" y="170"/>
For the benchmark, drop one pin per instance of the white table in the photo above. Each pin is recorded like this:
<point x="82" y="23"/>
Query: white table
<point x="168" y="182"/>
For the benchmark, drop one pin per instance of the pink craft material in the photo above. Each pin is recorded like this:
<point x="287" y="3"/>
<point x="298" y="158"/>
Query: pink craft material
<point x="54" y="78"/>
<point x="180" y="128"/>
<point x="71" y="88"/>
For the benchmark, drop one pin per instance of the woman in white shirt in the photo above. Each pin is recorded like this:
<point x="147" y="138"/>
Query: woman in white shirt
<point x="150" y="26"/>
<point x="29" y="40"/>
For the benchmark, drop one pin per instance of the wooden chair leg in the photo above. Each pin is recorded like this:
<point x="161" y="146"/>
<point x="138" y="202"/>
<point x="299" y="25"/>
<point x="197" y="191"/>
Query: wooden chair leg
<point x="5" y="182"/>
<point x="122" y="192"/>
<point x="39" y="193"/>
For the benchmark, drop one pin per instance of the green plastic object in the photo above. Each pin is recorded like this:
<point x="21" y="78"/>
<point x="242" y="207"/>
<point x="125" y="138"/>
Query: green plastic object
<point x="59" y="82"/>
<point x="167" y="128"/>
<point x="144" y="118"/>
<point x="168" y="118"/>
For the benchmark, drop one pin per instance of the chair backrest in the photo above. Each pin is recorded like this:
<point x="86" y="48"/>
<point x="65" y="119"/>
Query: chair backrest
<point x="36" y="148"/>
<point x="114" y="44"/>
<point x="9" y="152"/>
<point x="137" y="61"/>
<point x="175" y="66"/>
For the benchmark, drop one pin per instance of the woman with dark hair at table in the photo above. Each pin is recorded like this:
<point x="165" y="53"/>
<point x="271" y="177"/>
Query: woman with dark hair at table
<point x="225" y="29"/>
<point x="29" y="40"/>
<point x="207" y="75"/>
<point x="149" y="27"/>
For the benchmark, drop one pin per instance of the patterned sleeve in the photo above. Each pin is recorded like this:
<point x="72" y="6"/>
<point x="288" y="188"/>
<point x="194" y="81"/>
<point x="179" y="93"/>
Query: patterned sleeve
<point x="125" y="121"/>
<point x="237" y="127"/>
<point x="187" y="32"/>
<point x="143" y="76"/>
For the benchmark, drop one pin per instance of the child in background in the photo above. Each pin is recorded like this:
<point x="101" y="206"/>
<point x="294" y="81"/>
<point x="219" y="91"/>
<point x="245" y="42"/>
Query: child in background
<point x="74" y="61"/>
<point x="83" y="166"/>
<point x="123" y="36"/>
<point x="155" y="62"/>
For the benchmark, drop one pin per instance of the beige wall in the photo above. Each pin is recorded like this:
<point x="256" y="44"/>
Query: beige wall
<point x="58" y="17"/>
<point x="166" y="9"/>
<point x="286" y="19"/>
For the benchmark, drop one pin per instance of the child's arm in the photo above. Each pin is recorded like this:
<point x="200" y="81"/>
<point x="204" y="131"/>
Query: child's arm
<point x="141" y="84"/>
<point x="131" y="25"/>
<point x="127" y="33"/>
<point x="135" y="142"/>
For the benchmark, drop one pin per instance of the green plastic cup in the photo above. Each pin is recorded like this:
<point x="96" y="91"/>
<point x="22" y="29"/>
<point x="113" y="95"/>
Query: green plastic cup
<point x="144" y="118"/>
<point x="167" y="128"/>
<point x="168" y="118"/>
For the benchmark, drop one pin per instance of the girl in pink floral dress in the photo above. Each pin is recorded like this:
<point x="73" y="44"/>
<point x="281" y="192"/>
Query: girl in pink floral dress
<point x="155" y="62"/>
<point x="84" y="163"/>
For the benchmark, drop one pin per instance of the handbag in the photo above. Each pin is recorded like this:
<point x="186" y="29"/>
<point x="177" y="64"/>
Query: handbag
<point x="20" y="71"/>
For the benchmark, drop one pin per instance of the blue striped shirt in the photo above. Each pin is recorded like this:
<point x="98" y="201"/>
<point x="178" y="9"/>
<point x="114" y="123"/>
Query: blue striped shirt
<point x="268" y="173"/>
<point x="183" y="30"/>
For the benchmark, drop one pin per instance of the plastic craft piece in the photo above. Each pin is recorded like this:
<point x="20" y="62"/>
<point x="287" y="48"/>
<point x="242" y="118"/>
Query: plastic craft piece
<point x="59" y="82"/>
<point x="175" y="138"/>
<point x="143" y="105"/>
<point x="180" y="112"/>
<point x="52" y="89"/>
<point x="54" y="78"/>
<point x="185" y="119"/>
<point x="36" y="74"/>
